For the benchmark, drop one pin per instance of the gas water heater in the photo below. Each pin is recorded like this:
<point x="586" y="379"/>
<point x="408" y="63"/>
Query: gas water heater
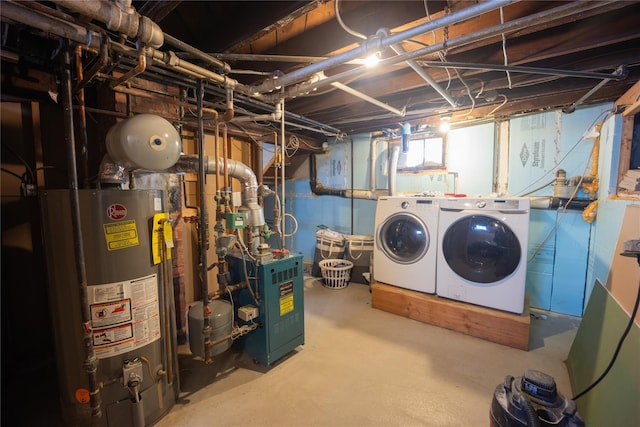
<point x="130" y="309"/>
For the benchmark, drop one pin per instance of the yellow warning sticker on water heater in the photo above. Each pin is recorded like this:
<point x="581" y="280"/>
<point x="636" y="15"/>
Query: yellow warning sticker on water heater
<point x="286" y="298"/>
<point x="121" y="235"/>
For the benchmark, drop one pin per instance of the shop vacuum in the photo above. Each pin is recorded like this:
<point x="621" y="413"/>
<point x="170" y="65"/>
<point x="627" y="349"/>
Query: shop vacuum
<point x="532" y="401"/>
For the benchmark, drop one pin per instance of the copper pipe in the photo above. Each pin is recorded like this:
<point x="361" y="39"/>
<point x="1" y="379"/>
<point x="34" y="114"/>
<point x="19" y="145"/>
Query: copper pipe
<point x="98" y="66"/>
<point x="140" y="68"/>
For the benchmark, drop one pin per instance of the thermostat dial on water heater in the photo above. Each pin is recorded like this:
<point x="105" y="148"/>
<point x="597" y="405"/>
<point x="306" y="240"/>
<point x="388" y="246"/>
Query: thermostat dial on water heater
<point x="144" y="141"/>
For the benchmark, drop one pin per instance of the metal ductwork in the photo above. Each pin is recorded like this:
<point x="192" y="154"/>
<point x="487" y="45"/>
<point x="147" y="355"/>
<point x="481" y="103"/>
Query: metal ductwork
<point x="235" y="169"/>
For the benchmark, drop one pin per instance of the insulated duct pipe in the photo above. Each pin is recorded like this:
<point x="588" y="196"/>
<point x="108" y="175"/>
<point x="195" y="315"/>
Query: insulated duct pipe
<point x="275" y="116"/>
<point x="235" y="169"/>
<point x="123" y="20"/>
<point x="377" y="44"/>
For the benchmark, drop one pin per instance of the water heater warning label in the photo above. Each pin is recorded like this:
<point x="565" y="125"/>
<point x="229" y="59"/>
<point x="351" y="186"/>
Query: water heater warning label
<point x="286" y="298"/>
<point x="120" y="235"/>
<point x="124" y="315"/>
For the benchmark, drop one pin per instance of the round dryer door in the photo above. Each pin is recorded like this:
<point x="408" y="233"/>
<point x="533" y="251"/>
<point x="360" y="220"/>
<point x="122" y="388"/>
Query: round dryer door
<point x="404" y="238"/>
<point x="481" y="249"/>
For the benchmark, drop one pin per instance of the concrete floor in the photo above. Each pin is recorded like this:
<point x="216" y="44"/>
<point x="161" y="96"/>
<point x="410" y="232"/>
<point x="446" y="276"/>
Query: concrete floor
<point x="364" y="367"/>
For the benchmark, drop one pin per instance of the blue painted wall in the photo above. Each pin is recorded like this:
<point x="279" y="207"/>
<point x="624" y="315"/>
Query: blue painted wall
<point x="539" y="145"/>
<point x="561" y="275"/>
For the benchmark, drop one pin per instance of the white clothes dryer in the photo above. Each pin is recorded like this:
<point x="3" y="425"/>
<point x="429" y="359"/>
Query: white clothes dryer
<point x="404" y="253"/>
<point x="482" y="251"/>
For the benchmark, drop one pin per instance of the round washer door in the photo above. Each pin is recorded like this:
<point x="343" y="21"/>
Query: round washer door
<point x="404" y="238"/>
<point x="481" y="249"/>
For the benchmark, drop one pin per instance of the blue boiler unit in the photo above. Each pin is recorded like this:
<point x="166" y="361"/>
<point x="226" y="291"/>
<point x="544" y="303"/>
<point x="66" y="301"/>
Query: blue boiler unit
<point x="279" y="289"/>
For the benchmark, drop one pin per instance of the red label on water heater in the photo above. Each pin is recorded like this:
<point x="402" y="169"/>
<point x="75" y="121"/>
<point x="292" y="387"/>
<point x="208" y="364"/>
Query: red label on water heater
<point x="116" y="211"/>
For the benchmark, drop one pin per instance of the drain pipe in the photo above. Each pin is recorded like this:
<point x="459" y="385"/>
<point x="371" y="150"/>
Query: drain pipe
<point x="317" y="188"/>
<point x="91" y="361"/>
<point x="320" y="190"/>
<point x="207" y="330"/>
<point x="393" y="167"/>
<point x="552" y="203"/>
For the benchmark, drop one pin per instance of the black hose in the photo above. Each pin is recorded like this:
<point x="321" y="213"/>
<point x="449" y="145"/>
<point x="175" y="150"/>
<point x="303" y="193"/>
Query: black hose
<point x="615" y="353"/>
<point x="529" y="410"/>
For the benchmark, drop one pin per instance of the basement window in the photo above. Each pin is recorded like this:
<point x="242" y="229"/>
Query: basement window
<point x="426" y="153"/>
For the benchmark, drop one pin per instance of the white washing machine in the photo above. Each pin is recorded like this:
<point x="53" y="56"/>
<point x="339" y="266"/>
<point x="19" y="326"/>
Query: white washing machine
<point x="404" y="252"/>
<point x="482" y="251"/>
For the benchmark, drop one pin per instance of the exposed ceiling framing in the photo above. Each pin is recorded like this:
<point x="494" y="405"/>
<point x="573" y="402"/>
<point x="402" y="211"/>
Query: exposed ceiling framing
<point x="510" y="57"/>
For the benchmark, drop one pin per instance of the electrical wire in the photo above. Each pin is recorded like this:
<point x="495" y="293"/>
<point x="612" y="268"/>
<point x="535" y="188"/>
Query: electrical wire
<point x="30" y="171"/>
<point x="336" y="9"/>
<point x="21" y="178"/>
<point x="618" y="347"/>
<point x="233" y="310"/>
<point x="563" y="211"/>
<point x="606" y="114"/>
<point x="245" y="251"/>
<point x="499" y="106"/>
<point x="504" y="47"/>
<point x="539" y="188"/>
<point x="292" y="146"/>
